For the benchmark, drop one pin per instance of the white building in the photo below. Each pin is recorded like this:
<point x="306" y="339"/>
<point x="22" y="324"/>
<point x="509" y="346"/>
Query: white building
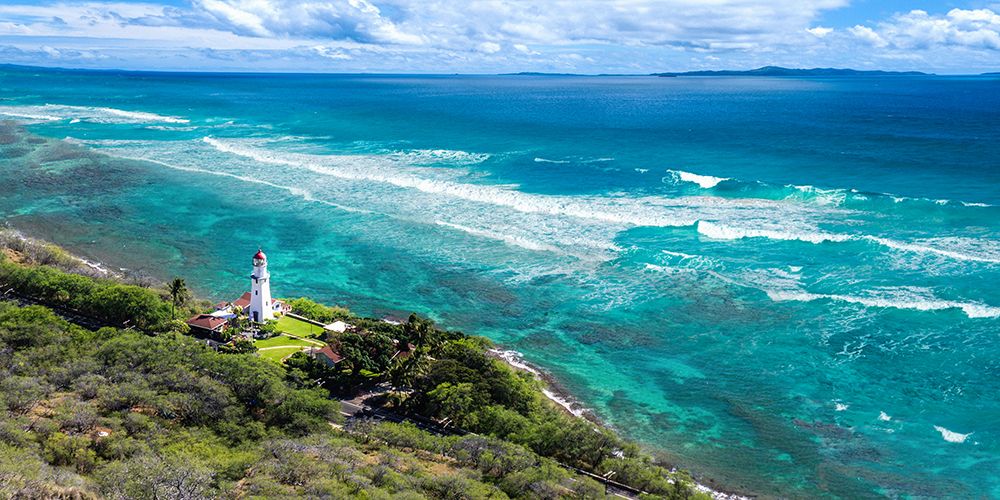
<point x="261" y="306"/>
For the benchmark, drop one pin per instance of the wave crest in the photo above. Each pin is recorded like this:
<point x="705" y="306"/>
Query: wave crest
<point x="896" y="301"/>
<point x="705" y="181"/>
<point x="95" y="114"/>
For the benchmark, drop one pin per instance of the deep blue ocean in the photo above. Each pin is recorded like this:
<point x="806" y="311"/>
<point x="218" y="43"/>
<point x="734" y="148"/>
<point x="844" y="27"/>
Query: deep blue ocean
<point x="788" y="286"/>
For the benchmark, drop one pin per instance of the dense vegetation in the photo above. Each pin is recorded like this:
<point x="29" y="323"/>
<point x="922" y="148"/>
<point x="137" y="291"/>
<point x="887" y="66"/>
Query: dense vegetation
<point x="453" y="379"/>
<point x="126" y="414"/>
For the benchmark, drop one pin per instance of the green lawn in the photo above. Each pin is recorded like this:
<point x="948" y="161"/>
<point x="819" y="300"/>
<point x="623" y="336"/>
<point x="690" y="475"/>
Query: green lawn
<point x="298" y="327"/>
<point x="279" y="353"/>
<point x="283" y="340"/>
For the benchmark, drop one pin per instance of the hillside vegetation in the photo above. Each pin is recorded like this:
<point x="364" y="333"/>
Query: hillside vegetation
<point x="118" y="413"/>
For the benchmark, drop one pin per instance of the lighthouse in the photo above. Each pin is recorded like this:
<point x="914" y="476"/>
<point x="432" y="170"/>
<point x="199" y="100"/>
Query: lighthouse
<point x="261" y="308"/>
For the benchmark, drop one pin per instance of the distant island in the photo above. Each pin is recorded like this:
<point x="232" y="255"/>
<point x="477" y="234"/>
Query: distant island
<point x="542" y="73"/>
<point x="779" y="71"/>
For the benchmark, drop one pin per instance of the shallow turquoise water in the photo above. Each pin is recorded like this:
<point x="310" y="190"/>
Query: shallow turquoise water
<point x="786" y="285"/>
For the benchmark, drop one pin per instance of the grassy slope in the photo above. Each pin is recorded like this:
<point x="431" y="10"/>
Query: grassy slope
<point x="66" y="436"/>
<point x="285" y="341"/>
<point x="183" y="421"/>
<point x="278" y="354"/>
<point x="297" y="327"/>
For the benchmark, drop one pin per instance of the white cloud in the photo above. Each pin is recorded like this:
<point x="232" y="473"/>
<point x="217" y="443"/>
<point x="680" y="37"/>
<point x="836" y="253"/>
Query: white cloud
<point x="491" y="35"/>
<point x="820" y="31"/>
<point x="488" y="47"/>
<point x="868" y="35"/>
<point x="919" y="30"/>
<point x="358" y="20"/>
<point x="524" y="49"/>
<point x="337" y="54"/>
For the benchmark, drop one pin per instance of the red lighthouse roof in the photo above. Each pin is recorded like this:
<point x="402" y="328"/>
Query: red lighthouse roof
<point x="260" y="255"/>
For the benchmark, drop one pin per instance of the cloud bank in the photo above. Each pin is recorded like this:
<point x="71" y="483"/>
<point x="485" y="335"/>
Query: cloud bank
<point x="632" y="36"/>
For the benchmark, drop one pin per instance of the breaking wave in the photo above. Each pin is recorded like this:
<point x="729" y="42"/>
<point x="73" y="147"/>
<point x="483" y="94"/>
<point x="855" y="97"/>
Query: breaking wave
<point x="506" y="238"/>
<point x="807" y="193"/>
<point x="705" y="181"/>
<point x="725" y="232"/>
<point x="435" y="156"/>
<point x="902" y="299"/>
<point x="102" y="115"/>
<point x="950" y="436"/>
<point x="610" y="210"/>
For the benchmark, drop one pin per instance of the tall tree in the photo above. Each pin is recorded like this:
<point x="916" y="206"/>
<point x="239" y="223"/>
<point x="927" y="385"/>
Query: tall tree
<point x="178" y="295"/>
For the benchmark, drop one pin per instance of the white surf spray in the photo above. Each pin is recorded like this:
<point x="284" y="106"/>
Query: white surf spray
<point x="705" y="181"/>
<point x="506" y="238"/>
<point x="723" y="232"/>
<point x="438" y="156"/>
<point x="546" y="160"/>
<point x="628" y="212"/>
<point x="729" y="232"/>
<point x="92" y="114"/>
<point x="950" y="436"/>
<point x="896" y="301"/>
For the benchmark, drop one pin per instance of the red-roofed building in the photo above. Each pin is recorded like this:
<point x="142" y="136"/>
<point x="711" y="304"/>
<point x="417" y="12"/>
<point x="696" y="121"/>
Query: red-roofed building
<point x="243" y="302"/>
<point x="207" y="323"/>
<point x="403" y="351"/>
<point x="328" y="355"/>
<point x="278" y="306"/>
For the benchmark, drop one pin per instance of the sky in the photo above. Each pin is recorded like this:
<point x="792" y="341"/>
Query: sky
<point x="498" y="36"/>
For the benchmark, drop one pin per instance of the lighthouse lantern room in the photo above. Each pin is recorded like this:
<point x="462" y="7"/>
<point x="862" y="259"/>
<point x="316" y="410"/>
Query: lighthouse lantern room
<point x="260" y="290"/>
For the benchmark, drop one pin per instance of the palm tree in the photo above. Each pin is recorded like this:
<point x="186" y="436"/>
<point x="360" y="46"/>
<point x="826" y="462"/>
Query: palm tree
<point x="417" y="330"/>
<point x="178" y="295"/>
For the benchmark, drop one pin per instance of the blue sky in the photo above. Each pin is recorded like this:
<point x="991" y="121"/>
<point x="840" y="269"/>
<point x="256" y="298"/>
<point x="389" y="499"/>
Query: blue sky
<point x="490" y="36"/>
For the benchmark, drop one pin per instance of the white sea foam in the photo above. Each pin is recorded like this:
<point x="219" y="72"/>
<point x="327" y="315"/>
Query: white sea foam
<point x="678" y="254"/>
<point x="434" y="156"/>
<point x="12" y="112"/>
<point x="883" y="416"/>
<point x="681" y="260"/>
<point x="641" y="170"/>
<point x="822" y="196"/>
<point x="723" y="232"/>
<point x="658" y="268"/>
<point x="296" y="191"/>
<point x="610" y="210"/>
<point x="546" y="160"/>
<point x="794" y="269"/>
<point x="922" y="248"/>
<point x="516" y="359"/>
<point x="167" y="128"/>
<point x="705" y="181"/>
<point x="506" y="238"/>
<point x="950" y="436"/>
<point x="92" y="114"/>
<point x="898" y="299"/>
<point x="841" y="407"/>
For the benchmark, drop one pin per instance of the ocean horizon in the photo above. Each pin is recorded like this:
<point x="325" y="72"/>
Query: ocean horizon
<point x="784" y="285"/>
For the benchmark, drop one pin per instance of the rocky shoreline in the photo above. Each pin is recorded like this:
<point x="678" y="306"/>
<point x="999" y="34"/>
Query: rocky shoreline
<point x="27" y="249"/>
<point x="565" y="400"/>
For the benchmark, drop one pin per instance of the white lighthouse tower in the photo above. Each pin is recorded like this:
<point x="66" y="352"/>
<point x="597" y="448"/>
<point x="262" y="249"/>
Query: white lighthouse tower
<point x="261" y="308"/>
